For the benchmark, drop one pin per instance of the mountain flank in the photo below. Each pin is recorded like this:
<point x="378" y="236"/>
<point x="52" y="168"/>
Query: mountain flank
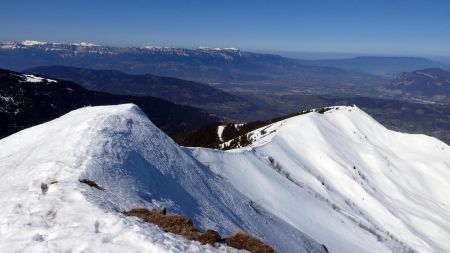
<point x="27" y="100"/>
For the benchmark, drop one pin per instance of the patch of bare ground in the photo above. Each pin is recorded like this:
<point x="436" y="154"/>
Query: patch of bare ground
<point x="183" y="225"/>
<point x="91" y="183"/>
<point x="44" y="186"/>
<point x="242" y="240"/>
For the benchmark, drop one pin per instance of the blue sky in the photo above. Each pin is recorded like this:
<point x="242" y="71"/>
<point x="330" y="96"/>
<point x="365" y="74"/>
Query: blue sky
<point x="394" y="27"/>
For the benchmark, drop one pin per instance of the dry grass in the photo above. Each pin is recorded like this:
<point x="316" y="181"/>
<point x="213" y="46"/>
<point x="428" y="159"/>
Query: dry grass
<point x="210" y="237"/>
<point x="241" y="240"/>
<point x="183" y="225"/>
<point x="177" y="224"/>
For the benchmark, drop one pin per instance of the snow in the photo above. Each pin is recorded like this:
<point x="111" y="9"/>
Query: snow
<point x="426" y="75"/>
<point x="219" y="48"/>
<point x="138" y="166"/>
<point x="65" y="50"/>
<point x="85" y="44"/>
<point x="346" y="181"/>
<point x="339" y="179"/>
<point x="32" y="43"/>
<point x="36" y="79"/>
<point x="8" y="45"/>
<point x="157" y="47"/>
<point x="220" y="131"/>
<point x="6" y="98"/>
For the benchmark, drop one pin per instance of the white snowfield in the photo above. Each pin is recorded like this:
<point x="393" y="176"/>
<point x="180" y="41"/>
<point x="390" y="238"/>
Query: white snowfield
<point x="44" y="207"/>
<point x="346" y="181"/>
<point x="35" y="79"/>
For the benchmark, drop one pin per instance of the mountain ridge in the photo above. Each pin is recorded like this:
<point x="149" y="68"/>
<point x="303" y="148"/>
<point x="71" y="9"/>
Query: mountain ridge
<point x="331" y="175"/>
<point x="347" y="177"/>
<point x="217" y="67"/>
<point x="175" y="90"/>
<point x="428" y="83"/>
<point x="136" y="165"/>
<point x="379" y="65"/>
<point x="27" y="100"/>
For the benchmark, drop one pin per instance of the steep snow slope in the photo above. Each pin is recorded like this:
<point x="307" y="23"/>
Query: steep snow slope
<point x="346" y="181"/>
<point x="138" y="166"/>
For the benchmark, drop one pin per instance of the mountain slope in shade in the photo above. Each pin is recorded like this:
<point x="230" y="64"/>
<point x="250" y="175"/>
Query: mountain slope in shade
<point x="27" y="100"/>
<point x="137" y="165"/>
<point x="171" y="89"/>
<point x="426" y="82"/>
<point x="346" y="181"/>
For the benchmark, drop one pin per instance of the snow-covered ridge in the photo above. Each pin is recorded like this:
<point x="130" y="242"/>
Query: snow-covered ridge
<point x="346" y="181"/>
<point x="66" y="49"/>
<point x="45" y="207"/>
<point x="218" y="48"/>
<point x="85" y="44"/>
<point x="338" y="177"/>
<point x="265" y="134"/>
<point x="33" y="43"/>
<point x="40" y="43"/>
<point x="243" y="136"/>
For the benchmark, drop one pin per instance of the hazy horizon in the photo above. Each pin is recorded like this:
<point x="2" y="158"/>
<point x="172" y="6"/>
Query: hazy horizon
<point x="402" y="28"/>
<point x="305" y="55"/>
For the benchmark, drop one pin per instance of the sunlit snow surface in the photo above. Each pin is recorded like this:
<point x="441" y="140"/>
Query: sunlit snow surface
<point x="345" y="180"/>
<point x="220" y="131"/>
<point x="138" y="166"/>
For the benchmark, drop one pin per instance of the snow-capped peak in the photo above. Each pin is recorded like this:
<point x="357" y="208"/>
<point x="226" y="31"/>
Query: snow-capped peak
<point x="85" y="44"/>
<point x="33" y="43"/>
<point x="81" y="48"/>
<point x="218" y="48"/>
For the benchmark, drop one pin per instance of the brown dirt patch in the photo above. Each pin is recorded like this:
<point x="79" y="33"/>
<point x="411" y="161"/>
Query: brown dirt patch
<point x="183" y="225"/>
<point x="91" y="183"/>
<point x="242" y="240"/>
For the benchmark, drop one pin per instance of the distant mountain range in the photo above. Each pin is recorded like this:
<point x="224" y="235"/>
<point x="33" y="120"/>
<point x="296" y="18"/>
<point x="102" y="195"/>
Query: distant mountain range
<point x="379" y="65"/>
<point x="27" y="100"/>
<point x="224" y="67"/>
<point x="277" y="86"/>
<point x="430" y="83"/>
<point x="215" y="66"/>
<point x="171" y="89"/>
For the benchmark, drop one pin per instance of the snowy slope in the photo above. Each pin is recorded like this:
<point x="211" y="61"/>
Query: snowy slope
<point x="346" y="181"/>
<point x="138" y="166"/>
